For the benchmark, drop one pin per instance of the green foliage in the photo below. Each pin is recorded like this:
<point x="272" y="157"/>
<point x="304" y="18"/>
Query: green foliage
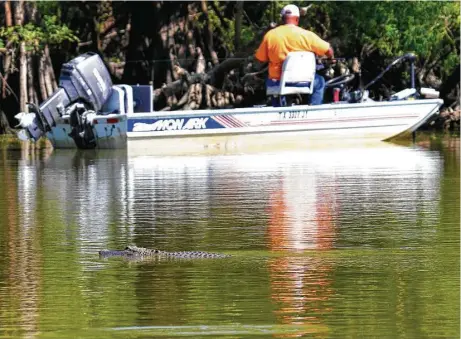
<point x="430" y="29"/>
<point x="427" y="28"/>
<point x="56" y="33"/>
<point x="227" y="35"/>
<point x="46" y="7"/>
<point x="49" y="31"/>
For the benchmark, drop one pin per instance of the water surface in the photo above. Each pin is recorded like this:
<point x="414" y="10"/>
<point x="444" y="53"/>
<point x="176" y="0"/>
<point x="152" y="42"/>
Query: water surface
<point x="332" y="243"/>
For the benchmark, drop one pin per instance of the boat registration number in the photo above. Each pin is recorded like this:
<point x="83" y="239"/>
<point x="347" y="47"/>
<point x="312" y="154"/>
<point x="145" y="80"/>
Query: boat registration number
<point x="293" y="115"/>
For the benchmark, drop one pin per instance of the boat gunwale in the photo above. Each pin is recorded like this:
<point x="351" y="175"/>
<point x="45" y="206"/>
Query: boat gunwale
<point x="270" y="109"/>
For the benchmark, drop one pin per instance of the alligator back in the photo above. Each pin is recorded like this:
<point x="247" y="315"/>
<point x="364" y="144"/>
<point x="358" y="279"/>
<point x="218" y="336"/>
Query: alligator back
<point x="141" y="252"/>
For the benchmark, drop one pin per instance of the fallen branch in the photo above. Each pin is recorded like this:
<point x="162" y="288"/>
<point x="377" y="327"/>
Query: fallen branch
<point x="182" y="101"/>
<point x="6" y="85"/>
<point x="86" y="43"/>
<point x="216" y="77"/>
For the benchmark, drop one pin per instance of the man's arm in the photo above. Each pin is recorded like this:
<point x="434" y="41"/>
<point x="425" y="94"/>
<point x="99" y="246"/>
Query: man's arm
<point x="261" y="52"/>
<point x="330" y="54"/>
<point x="318" y="45"/>
<point x="261" y="56"/>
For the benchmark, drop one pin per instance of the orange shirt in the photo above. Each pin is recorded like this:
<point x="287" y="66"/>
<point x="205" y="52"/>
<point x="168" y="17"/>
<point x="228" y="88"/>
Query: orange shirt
<point x="278" y="42"/>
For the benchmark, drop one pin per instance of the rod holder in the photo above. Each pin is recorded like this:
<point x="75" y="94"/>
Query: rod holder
<point x="412" y="58"/>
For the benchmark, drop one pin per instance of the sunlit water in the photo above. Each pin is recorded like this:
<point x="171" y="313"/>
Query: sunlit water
<point x="333" y="243"/>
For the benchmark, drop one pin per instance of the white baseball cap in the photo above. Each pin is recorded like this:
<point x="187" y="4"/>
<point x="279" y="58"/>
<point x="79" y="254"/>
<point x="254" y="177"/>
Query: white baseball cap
<point x="291" y="10"/>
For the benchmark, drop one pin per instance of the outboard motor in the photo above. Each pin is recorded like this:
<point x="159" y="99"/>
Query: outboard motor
<point x="84" y="86"/>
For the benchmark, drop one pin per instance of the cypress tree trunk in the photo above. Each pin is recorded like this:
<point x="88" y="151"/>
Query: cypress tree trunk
<point x="4" y="125"/>
<point x="238" y="24"/>
<point x="41" y="77"/>
<point x="19" y="20"/>
<point x="209" y="34"/>
<point x="8" y="17"/>
<point x="22" y="77"/>
<point x="50" y="77"/>
<point x="30" y="79"/>
<point x="7" y="58"/>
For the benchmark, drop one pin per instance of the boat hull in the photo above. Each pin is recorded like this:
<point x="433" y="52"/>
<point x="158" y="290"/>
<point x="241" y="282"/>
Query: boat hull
<point x="182" y="132"/>
<point x="273" y="128"/>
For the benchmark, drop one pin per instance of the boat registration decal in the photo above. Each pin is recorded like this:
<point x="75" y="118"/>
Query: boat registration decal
<point x="173" y="124"/>
<point x="293" y="115"/>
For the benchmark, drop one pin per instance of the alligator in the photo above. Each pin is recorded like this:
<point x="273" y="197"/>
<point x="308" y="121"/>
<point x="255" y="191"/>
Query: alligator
<point x="135" y="252"/>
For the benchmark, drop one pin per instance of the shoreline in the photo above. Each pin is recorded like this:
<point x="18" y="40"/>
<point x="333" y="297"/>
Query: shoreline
<point x="448" y="120"/>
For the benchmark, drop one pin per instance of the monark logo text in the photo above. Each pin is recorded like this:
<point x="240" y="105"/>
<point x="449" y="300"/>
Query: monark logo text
<point x="172" y="125"/>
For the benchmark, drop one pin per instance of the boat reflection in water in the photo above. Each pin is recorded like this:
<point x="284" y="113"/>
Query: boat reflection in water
<point x="305" y="190"/>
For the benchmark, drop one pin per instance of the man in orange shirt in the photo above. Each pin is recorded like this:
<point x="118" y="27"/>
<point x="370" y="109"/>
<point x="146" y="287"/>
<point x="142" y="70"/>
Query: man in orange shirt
<point x="289" y="37"/>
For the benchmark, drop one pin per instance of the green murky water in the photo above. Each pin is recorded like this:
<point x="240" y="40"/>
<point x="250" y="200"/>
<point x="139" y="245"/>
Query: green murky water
<point x="350" y="243"/>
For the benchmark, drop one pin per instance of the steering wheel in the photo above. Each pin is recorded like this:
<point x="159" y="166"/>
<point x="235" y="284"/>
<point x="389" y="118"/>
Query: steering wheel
<point x="342" y="79"/>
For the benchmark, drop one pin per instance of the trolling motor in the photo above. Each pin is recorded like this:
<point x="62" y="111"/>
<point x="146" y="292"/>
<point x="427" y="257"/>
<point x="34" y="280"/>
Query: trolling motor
<point x="411" y="57"/>
<point x="408" y="92"/>
<point x="361" y="94"/>
<point x="84" y="86"/>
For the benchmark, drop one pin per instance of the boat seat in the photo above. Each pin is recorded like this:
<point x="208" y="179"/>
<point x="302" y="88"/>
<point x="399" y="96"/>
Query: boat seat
<point x="143" y="98"/>
<point x="128" y="90"/>
<point x="115" y="103"/>
<point x="298" y="74"/>
<point x="120" y="101"/>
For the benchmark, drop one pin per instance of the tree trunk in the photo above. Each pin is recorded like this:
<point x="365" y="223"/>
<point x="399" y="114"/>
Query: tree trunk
<point x="209" y="34"/>
<point x="8" y="17"/>
<point x="30" y="16"/>
<point x="50" y="70"/>
<point x="31" y="79"/>
<point x="6" y="66"/>
<point x="19" y="13"/>
<point x="31" y="11"/>
<point x="48" y="82"/>
<point x="4" y="124"/>
<point x="18" y="21"/>
<point x="7" y="58"/>
<point x="22" y="77"/>
<point x="48" y="73"/>
<point x="41" y="77"/>
<point x="238" y="24"/>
